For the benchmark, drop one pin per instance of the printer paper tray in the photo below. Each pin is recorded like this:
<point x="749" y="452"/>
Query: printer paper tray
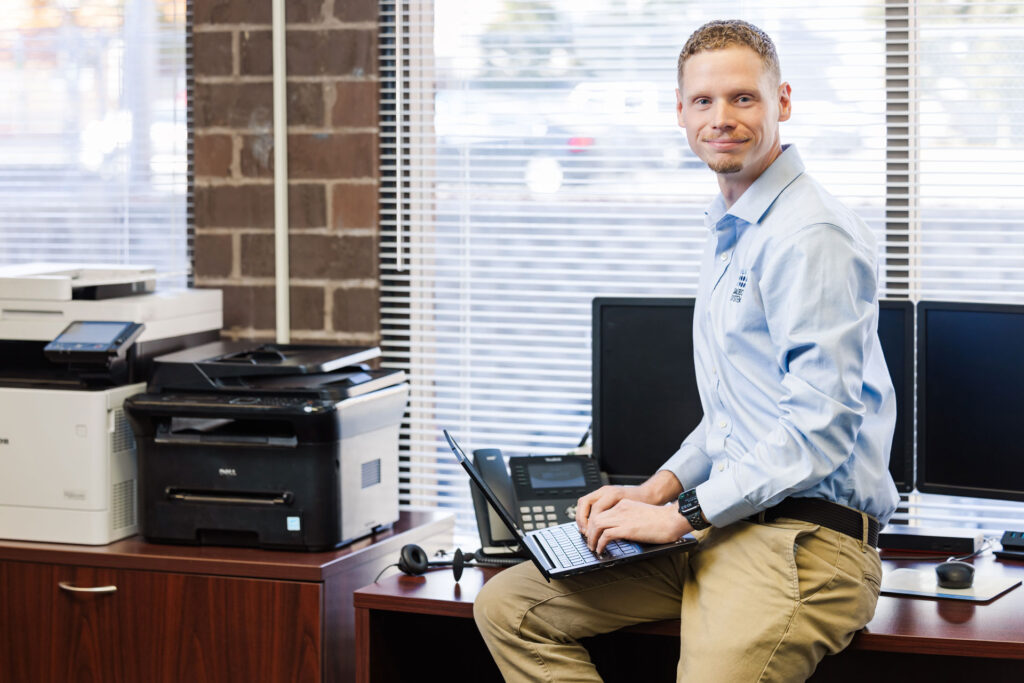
<point x="230" y="497"/>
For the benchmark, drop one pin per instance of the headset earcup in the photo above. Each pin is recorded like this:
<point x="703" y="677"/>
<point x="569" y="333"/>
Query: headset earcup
<point x="458" y="562"/>
<point x="413" y="559"/>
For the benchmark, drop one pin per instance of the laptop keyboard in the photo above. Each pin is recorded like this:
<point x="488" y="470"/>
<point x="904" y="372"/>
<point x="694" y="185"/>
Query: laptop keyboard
<point x="571" y="549"/>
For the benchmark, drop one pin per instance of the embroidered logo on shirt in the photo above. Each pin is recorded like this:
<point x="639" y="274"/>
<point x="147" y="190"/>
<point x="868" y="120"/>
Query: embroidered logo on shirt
<point x="741" y="286"/>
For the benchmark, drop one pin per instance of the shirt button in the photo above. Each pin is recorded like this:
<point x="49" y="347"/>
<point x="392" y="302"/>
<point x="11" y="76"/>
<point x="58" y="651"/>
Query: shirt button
<point x="725" y="256"/>
<point x="723" y="424"/>
<point x="721" y="467"/>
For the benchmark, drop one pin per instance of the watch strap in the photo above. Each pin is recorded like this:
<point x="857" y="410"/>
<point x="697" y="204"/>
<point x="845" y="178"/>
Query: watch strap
<point x="689" y="507"/>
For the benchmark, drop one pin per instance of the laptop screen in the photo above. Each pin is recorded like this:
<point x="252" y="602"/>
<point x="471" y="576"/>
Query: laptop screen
<point x="506" y="517"/>
<point x="478" y="479"/>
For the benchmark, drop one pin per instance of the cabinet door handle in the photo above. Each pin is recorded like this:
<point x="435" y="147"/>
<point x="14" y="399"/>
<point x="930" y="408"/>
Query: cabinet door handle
<point x="64" y="585"/>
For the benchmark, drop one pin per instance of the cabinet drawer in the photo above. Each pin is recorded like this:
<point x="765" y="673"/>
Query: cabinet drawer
<point x="155" y="626"/>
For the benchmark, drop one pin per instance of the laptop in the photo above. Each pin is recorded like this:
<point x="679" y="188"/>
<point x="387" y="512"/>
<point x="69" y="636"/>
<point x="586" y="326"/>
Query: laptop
<point x="561" y="551"/>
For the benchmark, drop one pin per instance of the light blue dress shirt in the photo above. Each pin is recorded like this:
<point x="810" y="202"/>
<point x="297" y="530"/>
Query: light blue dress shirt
<point x="797" y="398"/>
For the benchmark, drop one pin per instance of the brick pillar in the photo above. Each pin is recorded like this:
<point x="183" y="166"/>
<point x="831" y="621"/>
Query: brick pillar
<point x="333" y="166"/>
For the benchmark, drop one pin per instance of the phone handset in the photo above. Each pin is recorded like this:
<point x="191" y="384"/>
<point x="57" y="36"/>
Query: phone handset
<point x="494" y="535"/>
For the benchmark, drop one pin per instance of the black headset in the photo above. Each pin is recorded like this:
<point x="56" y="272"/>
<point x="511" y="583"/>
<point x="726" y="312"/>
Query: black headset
<point x="413" y="560"/>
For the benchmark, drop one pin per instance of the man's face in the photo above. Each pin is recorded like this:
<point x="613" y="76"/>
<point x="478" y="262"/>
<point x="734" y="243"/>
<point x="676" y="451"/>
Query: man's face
<point x="731" y="107"/>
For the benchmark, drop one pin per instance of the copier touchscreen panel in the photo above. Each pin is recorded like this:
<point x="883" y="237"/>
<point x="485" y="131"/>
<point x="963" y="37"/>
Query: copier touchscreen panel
<point x="97" y="333"/>
<point x="93" y="340"/>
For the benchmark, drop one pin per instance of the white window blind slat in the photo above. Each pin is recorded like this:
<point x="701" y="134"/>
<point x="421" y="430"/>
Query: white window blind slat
<point x="94" y="142"/>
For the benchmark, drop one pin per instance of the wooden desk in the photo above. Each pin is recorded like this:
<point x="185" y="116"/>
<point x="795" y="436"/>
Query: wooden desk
<point x="907" y="637"/>
<point x="190" y="613"/>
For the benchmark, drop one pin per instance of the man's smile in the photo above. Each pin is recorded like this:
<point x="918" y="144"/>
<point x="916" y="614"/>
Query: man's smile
<point x="724" y="144"/>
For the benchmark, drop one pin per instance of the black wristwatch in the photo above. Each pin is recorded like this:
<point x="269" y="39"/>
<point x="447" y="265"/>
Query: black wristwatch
<point x="689" y="507"/>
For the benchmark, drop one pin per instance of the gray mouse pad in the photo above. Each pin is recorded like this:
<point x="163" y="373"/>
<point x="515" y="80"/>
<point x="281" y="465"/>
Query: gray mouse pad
<point x="922" y="582"/>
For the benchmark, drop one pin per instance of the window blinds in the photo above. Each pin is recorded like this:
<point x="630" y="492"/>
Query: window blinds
<point x="538" y="164"/>
<point x="94" y="145"/>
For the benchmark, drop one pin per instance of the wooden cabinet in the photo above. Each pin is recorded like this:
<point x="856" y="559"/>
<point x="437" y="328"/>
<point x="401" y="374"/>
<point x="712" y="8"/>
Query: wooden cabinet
<point x="157" y="626"/>
<point x="179" y="613"/>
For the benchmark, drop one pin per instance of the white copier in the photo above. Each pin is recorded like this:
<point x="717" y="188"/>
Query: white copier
<point x="68" y="469"/>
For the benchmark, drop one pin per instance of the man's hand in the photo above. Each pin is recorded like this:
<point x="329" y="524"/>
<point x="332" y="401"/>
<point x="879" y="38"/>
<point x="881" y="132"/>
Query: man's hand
<point x="602" y="499"/>
<point x="635" y="521"/>
<point x="660" y="488"/>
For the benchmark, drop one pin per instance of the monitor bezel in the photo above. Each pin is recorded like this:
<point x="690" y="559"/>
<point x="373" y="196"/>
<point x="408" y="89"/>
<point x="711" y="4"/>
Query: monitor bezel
<point x="907" y="437"/>
<point x="923" y="485"/>
<point x="599" y="304"/>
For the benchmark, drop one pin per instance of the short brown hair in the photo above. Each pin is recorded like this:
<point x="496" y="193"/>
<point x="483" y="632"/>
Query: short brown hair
<point x="720" y="34"/>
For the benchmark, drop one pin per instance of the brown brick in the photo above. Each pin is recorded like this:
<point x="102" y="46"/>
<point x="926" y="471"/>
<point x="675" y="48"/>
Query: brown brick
<point x="254" y="307"/>
<point x="312" y="155"/>
<point x="256" y="254"/>
<point x="306" y="209"/>
<point x="255" y="53"/>
<point x="332" y="155"/>
<point x="236" y="105"/>
<point x="213" y="255"/>
<point x="355" y="10"/>
<point x="354" y="206"/>
<point x="356" y="310"/>
<point x="231" y="12"/>
<point x="257" y="155"/>
<point x="336" y="52"/>
<point x="339" y="52"/>
<point x="213" y="155"/>
<point x="305" y="11"/>
<point x="305" y="104"/>
<point x="248" y="307"/>
<point x="306" y="308"/>
<point x="355" y="103"/>
<point x="212" y="53"/>
<point x="307" y="205"/>
<point x="245" y="206"/>
<point x="333" y="257"/>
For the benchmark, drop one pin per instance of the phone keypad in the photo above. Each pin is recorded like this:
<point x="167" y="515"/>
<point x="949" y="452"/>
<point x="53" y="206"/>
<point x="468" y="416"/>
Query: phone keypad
<point x="538" y="516"/>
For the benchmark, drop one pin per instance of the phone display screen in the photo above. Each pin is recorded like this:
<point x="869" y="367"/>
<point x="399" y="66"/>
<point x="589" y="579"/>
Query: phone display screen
<point x="556" y="475"/>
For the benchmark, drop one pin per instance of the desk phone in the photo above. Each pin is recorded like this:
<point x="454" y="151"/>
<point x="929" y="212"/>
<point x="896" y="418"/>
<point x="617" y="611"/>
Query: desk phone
<point x="546" y="487"/>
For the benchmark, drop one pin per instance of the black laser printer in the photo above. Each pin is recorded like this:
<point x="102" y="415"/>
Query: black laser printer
<point x="273" y="446"/>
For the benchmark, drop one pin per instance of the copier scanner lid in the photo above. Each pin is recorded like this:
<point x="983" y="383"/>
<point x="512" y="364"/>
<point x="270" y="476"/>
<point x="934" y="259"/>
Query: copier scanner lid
<point x="67" y="281"/>
<point x="242" y="365"/>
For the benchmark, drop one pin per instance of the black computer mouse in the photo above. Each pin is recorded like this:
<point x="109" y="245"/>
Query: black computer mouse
<point x="955" y="574"/>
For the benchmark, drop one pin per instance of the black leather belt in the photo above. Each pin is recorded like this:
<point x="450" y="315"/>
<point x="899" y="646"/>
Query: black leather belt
<point x="824" y="513"/>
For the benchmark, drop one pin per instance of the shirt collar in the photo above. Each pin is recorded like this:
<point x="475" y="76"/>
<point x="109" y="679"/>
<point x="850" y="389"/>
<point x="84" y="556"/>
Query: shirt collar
<point x="755" y="202"/>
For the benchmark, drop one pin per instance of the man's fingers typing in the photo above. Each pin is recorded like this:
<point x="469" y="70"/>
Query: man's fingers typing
<point x="583" y="510"/>
<point x="594" y="503"/>
<point x="608" y="534"/>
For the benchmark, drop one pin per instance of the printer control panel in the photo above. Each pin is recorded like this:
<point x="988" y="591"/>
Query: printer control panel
<point x="93" y="341"/>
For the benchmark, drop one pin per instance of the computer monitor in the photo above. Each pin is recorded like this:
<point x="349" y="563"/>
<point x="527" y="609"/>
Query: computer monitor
<point x="970" y="399"/>
<point x="645" y="399"/>
<point x="896" y="334"/>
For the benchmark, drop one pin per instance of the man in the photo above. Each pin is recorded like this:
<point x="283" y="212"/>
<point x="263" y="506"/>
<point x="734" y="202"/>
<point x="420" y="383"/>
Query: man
<point x="785" y="480"/>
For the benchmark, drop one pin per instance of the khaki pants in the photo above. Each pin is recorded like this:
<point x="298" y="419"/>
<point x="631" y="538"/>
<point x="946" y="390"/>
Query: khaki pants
<point x="757" y="602"/>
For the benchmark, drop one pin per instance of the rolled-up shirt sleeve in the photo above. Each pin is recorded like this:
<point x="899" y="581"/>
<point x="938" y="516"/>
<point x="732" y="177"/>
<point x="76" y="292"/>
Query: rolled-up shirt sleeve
<point x="818" y="288"/>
